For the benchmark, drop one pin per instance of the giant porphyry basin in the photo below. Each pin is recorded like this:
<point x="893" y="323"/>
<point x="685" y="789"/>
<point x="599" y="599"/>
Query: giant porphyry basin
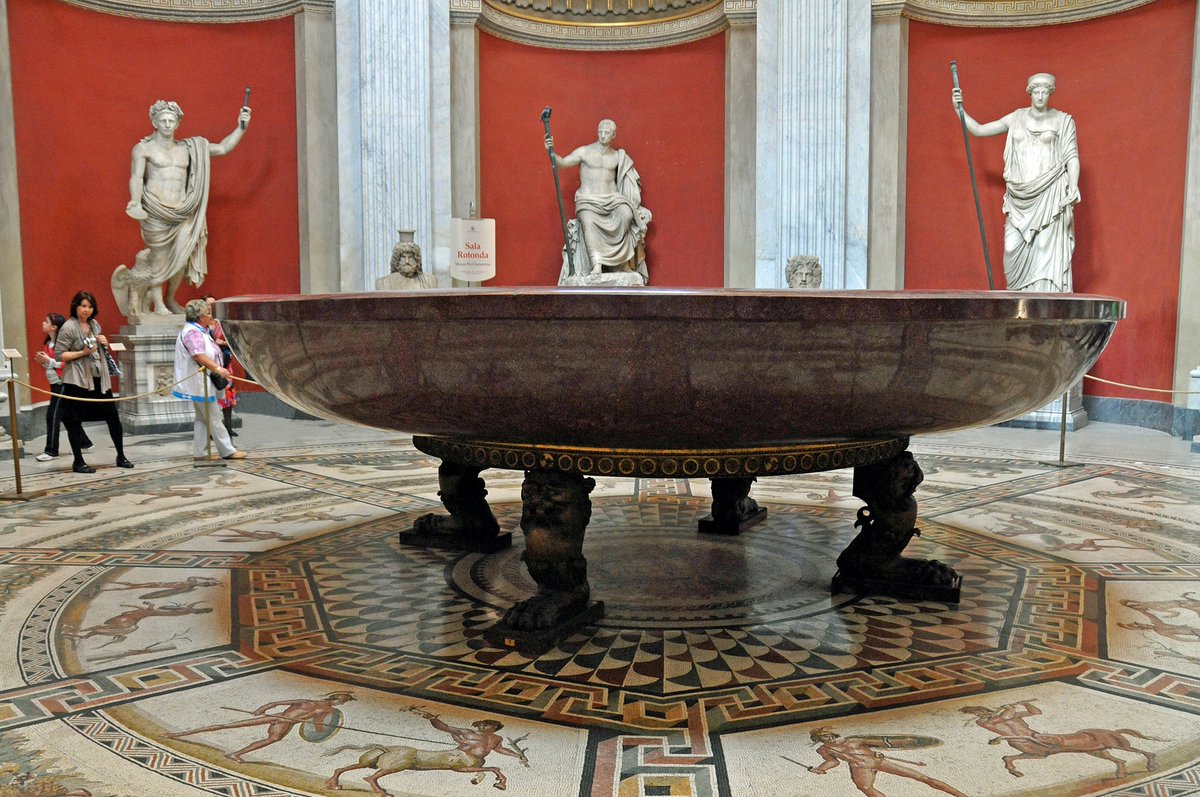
<point x="725" y="384"/>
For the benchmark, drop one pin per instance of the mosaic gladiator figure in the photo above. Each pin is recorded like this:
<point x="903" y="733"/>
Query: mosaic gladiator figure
<point x="473" y="744"/>
<point x="1008" y="723"/>
<point x="865" y="761"/>
<point x="321" y="713"/>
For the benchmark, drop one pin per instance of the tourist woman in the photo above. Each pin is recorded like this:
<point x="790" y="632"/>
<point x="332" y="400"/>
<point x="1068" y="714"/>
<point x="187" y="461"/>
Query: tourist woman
<point x="50" y="326"/>
<point x="195" y="347"/>
<point x="81" y="348"/>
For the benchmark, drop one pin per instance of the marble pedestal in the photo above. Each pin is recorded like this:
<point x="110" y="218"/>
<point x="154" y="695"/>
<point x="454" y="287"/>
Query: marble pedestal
<point x="148" y="364"/>
<point x="1193" y="403"/>
<point x="1050" y="416"/>
<point x="607" y="279"/>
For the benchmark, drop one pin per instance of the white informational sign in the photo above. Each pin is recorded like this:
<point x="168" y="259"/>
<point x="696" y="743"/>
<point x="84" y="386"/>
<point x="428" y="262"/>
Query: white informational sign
<point x="473" y="249"/>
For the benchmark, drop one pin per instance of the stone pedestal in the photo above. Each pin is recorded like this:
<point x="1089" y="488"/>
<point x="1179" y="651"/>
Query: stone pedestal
<point x="607" y="279"/>
<point x="1194" y="403"/>
<point x="1050" y="416"/>
<point x="147" y="364"/>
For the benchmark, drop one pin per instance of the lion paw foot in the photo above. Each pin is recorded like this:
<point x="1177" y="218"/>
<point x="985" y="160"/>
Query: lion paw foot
<point x="432" y="524"/>
<point x="544" y="610"/>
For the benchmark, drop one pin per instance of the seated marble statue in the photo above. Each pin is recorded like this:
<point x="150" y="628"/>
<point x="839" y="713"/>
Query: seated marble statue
<point x="168" y="196"/>
<point x="611" y="221"/>
<point x="1041" y="177"/>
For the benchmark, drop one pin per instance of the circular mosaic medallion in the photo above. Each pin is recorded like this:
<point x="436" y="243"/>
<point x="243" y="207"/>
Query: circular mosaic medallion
<point x="655" y="577"/>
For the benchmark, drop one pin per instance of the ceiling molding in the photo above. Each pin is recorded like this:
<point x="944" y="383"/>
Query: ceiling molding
<point x="611" y="24"/>
<point x="1002" y="13"/>
<point x="211" y="11"/>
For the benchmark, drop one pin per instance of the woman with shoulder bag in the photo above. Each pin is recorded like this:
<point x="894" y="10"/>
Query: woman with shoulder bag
<point x="195" y="347"/>
<point x="82" y="349"/>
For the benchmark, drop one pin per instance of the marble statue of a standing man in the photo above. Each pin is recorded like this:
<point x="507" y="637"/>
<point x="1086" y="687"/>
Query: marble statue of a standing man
<point x="1041" y="175"/>
<point x="608" y="205"/>
<point x="168" y="195"/>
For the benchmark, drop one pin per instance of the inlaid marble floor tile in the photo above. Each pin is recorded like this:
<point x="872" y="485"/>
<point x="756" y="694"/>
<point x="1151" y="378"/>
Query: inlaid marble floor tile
<point x="257" y="630"/>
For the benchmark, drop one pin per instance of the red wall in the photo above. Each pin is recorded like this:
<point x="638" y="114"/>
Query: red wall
<point x="669" y="106"/>
<point x="1126" y="79"/>
<point x="83" y="83"/>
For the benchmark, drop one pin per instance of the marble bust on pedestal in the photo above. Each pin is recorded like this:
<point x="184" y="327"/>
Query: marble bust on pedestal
<point x="406" y="267"/>
<point x="804" y="271"/>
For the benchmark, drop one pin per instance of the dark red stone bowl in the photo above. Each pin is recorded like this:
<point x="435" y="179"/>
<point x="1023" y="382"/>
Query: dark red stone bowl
<point x="669" y="369"/>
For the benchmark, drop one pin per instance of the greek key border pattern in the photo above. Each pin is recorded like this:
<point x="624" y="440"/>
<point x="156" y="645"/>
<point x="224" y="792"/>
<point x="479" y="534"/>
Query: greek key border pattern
<point x="205" y="11"/>
<point x="650" y="463"/>
<point x="37" y="703"/>
<point x="1002" y="13"/>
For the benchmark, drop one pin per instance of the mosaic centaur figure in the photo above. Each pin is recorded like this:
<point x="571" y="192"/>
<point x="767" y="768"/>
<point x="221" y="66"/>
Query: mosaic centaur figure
<point x="474" y="744"/>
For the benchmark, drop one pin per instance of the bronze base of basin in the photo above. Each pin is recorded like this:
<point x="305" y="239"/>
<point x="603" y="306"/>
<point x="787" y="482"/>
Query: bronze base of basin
<point x="556" y="509"/>
<point x="949" y="593"/>
<point x="742" y="521"/>
<point x="454" y="542"/>
<point x="536" y="642"/>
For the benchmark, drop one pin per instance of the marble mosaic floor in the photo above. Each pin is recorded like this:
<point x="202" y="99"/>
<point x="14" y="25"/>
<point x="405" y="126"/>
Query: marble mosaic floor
<point x="152" y="621"/>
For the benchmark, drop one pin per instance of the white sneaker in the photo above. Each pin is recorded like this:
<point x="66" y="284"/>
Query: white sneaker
<point x="44" y="457"/>
<point x="86" y="448"/>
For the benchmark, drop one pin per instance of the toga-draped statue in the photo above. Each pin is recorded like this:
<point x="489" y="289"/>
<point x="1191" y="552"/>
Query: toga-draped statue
<point x="1041" y="175"/>
<point x="612" y="223"/>
<point x="168" y="195"/>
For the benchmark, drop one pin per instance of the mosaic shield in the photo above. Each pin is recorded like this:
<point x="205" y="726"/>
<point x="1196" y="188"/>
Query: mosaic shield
<point x="311" y="732"/>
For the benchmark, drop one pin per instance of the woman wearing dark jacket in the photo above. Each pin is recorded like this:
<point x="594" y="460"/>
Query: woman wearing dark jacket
<point x="79" y="348"/>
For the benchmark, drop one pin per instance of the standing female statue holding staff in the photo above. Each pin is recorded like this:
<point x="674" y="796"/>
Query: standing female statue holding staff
<point x="1041" y="176"/>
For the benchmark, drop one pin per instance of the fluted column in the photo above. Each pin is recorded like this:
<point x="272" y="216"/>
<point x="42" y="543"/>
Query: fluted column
<point x="1187" y="325"/>
<point x="394" y="120"/>
<point x="12" y="281"/>
<point x="740" y="101"/>
<point x="316" y="134"/>
<point x="813" y="138"/>
<point x="889" y="151"/>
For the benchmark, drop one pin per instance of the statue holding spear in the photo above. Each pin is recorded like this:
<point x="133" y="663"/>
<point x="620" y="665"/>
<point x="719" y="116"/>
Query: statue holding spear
<point x="1041" y="178"/>
<point x="610" y="218"/>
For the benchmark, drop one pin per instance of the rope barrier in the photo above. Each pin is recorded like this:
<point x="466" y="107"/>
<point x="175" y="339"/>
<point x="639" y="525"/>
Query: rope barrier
<point x="162" y="391"/>
<point x="1147" y="389"/>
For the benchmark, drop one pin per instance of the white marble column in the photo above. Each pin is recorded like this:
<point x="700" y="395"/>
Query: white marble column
<point x="1187" y="326"/>
<point x="814" y="64"/>
<point x="12" y="278"/>
<point x="393" y="64"/>
<point x="316" y="144"/>
<point x="464" y="111"/>
<point x="464" y="106"/>
<point x="889" y="143"/>
<point x="740" y="97"/>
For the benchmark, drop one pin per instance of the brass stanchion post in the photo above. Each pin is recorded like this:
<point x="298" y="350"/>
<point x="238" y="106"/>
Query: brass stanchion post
<point x="19" y="494"/>
<point x="1062" y="429"/>
<point x="1062" y="437"/>
<point x="16" y="445"/>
